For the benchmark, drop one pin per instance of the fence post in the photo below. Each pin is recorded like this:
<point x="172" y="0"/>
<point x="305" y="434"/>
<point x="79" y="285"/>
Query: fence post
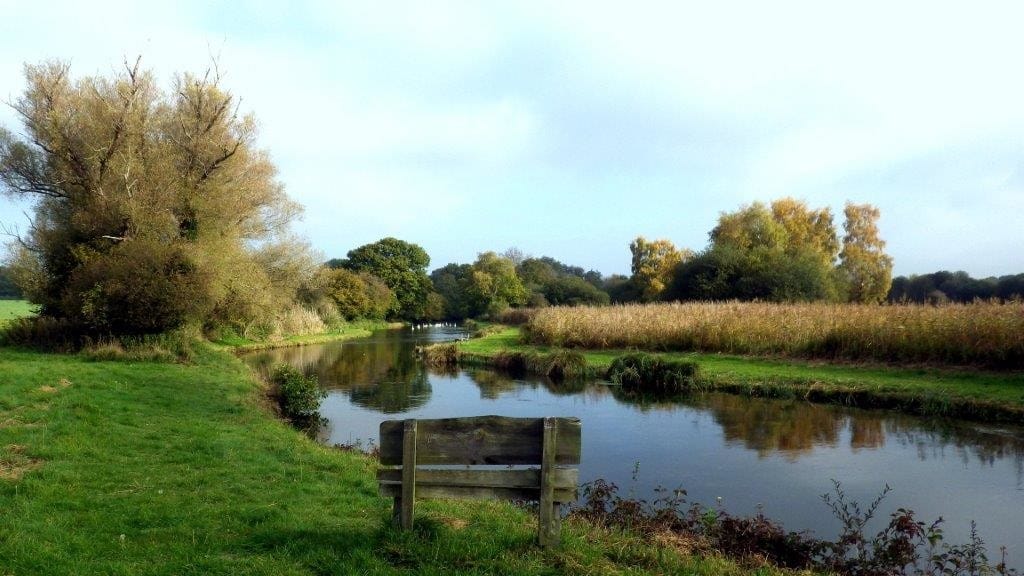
<point x="404" y="505"/>
<point x="550" y="520"/>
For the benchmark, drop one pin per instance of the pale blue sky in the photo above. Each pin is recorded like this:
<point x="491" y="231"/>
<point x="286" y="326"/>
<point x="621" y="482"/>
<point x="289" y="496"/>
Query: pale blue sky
<point x="568" y="128"/>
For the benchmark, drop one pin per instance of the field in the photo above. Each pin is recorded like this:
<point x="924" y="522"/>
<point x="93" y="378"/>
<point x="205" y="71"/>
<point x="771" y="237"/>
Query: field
<point x="157" y="468"/>
<point x="11" y="309"/>
<point x="982" y="334"/>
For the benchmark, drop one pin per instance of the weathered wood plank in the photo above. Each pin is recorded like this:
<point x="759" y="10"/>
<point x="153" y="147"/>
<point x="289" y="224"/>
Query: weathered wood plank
<point x="437" y="491"/>
<point x="548" y="515"/>
<point x="561" y="478"/>
<point x="481" y="440"/>
<point x="409" y="446"/>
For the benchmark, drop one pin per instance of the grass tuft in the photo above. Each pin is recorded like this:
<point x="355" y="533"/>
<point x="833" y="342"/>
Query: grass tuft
<point x="642" y="372"/>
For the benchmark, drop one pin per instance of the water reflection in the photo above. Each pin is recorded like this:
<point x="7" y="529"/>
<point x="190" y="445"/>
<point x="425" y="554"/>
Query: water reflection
<point x="793" y="428"/>
<point x="781" y="453"/>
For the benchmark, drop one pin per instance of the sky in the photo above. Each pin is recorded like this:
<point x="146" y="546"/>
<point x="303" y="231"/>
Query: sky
<point x="569" y="128"/>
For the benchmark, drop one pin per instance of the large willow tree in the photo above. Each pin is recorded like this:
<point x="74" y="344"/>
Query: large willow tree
<point x="152" y="209"/>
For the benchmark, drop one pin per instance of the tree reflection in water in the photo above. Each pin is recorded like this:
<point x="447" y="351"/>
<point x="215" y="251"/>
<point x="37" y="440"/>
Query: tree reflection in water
<point x="382" y="374"/>
<point x="379" y="373"/>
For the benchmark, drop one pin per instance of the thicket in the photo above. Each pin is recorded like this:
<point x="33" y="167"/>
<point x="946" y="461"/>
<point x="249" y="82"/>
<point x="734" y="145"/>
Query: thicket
<point x="987" y="334"/>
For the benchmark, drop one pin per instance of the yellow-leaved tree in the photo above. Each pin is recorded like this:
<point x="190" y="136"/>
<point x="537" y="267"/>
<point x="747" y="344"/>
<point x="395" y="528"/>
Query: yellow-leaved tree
<point x="864" y="265"/>
<point x="152" y="209"/>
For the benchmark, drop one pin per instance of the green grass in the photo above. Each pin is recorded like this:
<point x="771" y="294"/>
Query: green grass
<point x="146" y="468"/>
<point x="13" y="309"/>
<point x="979" y="394"/>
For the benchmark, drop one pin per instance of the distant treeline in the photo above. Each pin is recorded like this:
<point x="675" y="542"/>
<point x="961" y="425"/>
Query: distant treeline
<point x="945" y="286"/>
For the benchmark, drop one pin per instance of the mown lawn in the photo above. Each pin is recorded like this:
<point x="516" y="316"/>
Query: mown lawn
<point x="935" y="385"/>
<point x="147" y="468"/>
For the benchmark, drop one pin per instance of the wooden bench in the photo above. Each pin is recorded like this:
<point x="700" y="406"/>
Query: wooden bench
<point x="551" y="443"/>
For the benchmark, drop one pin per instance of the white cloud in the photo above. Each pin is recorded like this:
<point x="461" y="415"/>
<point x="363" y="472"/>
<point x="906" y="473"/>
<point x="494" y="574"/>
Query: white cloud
<point x="388" y="115"/>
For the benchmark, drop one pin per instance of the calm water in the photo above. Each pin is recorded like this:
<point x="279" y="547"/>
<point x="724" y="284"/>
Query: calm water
<point x="780" y="455"/>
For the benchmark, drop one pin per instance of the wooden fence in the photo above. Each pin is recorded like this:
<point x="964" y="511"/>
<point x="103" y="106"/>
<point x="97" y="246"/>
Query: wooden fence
<point x="551" y="443"/>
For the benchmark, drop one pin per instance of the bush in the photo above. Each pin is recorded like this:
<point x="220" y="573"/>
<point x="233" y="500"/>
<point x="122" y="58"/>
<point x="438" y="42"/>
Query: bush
<point x="516" y="316"/>
<point x="139" y="287"/>
<point x="299" y="395"/>
<point x="650" y="373"/>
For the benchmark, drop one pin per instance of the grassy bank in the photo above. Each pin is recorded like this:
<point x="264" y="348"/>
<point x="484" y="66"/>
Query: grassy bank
<point x="161" y="468"/>
<point x="348" y="331"/>
<point x="983" y="334"/>
<point x="997" y="396"/>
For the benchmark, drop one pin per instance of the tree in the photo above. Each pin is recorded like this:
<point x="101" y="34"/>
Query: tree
<point x="807" y="231"/>
<point x="129" y="180"/>
<point x="494" y="285"/>
<point x="865" y="266"/>
<point x="552" y="282"/>
<point x="653" y="265"/>
<point x="402" y="266"/>
<point x="452" y="282"/>
<point x="750" y="227"/>
<point x="727" y="272"/>
<point x="353" y="294"/>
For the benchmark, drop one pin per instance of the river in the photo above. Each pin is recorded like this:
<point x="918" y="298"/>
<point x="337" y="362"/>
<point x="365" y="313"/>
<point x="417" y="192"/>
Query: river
<point x="777" y="455"/>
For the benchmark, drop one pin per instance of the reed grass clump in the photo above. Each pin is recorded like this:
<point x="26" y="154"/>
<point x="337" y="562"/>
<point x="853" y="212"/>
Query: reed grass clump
<point x="439" y="355"/>
<point x="986" y="334"/>
<point x="643" y="372"/>
<point x="557" y="365"/>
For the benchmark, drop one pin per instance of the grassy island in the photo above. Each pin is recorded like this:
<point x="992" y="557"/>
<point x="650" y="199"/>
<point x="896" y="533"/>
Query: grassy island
<point x="928" y="390"/>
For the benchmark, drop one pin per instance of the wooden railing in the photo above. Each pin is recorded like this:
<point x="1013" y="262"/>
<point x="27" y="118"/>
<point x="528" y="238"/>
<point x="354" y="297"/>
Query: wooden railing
<point x="551" y="443"/>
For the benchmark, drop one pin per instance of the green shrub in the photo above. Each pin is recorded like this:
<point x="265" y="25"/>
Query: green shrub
<point x="299" y="395"/>
<point x="650" y="373"/>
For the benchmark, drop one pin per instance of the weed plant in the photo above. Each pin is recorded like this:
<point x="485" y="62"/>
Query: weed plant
<point x="299" y="395"/>
<point x="905" y="546"/>
<point x="987" y="334"/>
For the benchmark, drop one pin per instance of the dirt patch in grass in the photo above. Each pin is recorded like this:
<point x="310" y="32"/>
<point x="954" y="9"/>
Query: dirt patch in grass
<point x="14" y="464"/>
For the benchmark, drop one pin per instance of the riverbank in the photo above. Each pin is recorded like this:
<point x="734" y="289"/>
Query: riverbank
<point x="349" y="331"/>
<point x="976" y="395"/>
<point x="164" y="468"/>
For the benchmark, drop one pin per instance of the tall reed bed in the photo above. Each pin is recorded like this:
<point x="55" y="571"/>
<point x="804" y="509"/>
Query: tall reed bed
<point x="988" y="334"/>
